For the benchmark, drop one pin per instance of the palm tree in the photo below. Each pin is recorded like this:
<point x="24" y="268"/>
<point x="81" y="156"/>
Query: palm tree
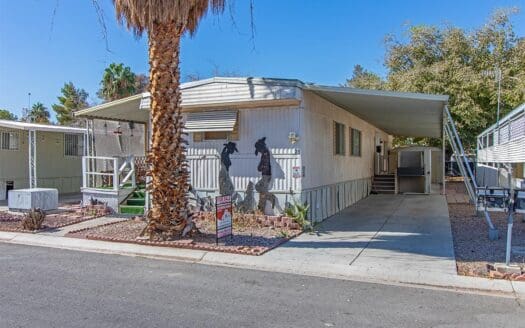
<point x="117" y="82"/>
<point x="166" y="22"/>
<point x="38" y="113"/>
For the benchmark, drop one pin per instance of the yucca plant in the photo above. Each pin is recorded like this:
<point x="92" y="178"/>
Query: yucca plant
<point x="165" y="23"/>
<point x="298" y="213"/>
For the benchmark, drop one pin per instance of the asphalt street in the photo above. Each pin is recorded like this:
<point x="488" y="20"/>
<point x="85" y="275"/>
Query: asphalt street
<point x="44" y="287"/>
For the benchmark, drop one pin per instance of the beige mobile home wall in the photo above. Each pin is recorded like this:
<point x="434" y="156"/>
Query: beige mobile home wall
<point x="54" y="169"/>
<point x="334" y="182"/>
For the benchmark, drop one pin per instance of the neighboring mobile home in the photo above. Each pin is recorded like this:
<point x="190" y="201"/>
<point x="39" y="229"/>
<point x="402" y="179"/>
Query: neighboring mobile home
<point x="501" y="148"/>
<point x="54" y="161"/>
<point x="326" y="143"/>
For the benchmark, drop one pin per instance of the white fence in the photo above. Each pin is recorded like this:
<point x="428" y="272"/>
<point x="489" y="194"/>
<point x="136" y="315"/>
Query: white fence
<point x="204" y="165"/>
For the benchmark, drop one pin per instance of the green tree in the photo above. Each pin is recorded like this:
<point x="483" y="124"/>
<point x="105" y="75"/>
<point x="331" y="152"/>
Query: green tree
<point x="364" y="79"/>
<point x="117" y="82"/>
<point x="455" y="62"/>
<point x="449" y="60"/>
<point x="38" y="114"/>
<point x="72" y="99"/>
<point x="7" y="115"/>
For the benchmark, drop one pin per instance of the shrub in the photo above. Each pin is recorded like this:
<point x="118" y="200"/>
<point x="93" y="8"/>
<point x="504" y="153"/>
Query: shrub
<point x="33" y="219"/>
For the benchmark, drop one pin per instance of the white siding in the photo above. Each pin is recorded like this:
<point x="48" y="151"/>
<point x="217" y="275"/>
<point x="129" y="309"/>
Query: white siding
<point x="273" y="123"/>
<point x="509" y="152"/>
<point x="220" y="92"/>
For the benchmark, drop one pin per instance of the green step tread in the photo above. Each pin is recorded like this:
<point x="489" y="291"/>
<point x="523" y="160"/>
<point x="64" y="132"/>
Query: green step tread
<point x="131" y="209"/>
<point x="136" y="201"/>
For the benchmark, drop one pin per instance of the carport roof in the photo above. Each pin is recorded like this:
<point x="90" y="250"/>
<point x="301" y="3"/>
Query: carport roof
<point x="397" y="113"/>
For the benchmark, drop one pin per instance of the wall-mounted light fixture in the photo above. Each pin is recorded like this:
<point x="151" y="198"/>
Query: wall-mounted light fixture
<point x="293" y="137"/>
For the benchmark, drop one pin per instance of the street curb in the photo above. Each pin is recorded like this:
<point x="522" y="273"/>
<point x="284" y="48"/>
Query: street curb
<point x="516" y="290"/>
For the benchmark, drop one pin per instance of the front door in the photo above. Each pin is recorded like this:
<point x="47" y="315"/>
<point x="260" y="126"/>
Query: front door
<point x="380" y="158"/>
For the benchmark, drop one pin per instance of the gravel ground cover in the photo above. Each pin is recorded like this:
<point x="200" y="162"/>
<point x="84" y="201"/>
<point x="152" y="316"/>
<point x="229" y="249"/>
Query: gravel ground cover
<point x="475" y="253"/>
<point x="252" y="234"/>
<point x="66" y="215"/>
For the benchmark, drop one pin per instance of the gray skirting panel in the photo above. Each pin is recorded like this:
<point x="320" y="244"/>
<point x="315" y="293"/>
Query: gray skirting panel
<point x="326" y="201"/>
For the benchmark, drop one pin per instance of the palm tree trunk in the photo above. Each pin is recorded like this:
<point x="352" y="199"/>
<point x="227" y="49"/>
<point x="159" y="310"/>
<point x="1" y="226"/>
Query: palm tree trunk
<point x="168" y="215"/>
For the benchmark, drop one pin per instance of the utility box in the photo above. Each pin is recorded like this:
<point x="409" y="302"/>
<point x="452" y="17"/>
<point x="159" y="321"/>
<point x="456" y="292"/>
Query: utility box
<point x="25" y="199"/>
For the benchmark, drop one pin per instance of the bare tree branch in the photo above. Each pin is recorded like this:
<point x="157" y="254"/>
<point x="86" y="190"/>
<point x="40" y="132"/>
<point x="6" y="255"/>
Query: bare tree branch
<point x="53" y="15"/>
<point x="102" y="23"/>
<point x="252" y="24"/>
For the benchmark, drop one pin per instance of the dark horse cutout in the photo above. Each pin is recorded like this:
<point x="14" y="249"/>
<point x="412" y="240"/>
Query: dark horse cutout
<point x="229" y="148"/>
<point x="264" y="165"/>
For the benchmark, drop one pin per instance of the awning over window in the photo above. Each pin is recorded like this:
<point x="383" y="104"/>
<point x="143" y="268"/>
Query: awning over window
<point x="211" y="121"/>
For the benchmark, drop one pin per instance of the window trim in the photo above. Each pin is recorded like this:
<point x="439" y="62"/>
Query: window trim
<point x="339" y="138"/>
<point x="356" y="132"/>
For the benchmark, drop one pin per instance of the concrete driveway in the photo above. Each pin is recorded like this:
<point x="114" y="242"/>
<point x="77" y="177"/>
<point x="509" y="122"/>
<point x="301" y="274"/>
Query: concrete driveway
<point x="405" y="238"/>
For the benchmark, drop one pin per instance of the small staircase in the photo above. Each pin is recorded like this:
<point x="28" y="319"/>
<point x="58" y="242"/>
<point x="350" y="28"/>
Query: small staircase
<point x="384" y="184"/>
<point x="135" y="203"/>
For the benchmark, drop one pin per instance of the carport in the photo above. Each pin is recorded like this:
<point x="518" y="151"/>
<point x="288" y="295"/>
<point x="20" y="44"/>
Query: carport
<point x="399" y="114"/>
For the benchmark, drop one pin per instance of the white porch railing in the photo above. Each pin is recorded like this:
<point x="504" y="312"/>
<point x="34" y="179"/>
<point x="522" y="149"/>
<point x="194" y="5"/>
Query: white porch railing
<point x="108" y="173"/>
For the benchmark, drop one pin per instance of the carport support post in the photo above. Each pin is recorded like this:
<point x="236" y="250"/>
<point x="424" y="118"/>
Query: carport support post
<point x="32" y="158"/>
<point x="444" y="191"/>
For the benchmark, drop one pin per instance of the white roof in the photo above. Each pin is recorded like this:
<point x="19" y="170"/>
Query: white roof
<point x="397" y="113"/>
<point x="39" y="127"/>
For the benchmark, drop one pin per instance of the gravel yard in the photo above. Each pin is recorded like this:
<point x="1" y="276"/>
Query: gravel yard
<point x="252" y="235"/>
<point x="472" y="247"/>
<point x="66" y="215"/>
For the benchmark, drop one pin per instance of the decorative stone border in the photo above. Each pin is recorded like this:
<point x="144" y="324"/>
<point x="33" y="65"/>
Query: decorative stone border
<point x="242" y="250"/>
<point x="97" y="226"/>
<point x="265" y="220"/>
<point x="500" y="272"/>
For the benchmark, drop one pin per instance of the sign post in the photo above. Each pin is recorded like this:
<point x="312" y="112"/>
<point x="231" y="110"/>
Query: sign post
<point x="223" y="217"/>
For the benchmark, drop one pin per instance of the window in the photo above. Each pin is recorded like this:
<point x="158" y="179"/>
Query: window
<point x="73" y="144"/>
<point x="490" y="141"/>
<point x="339" y="138"/>
<point x="9" y="140"/>
<point x="217" y="135"/>
<point x="355" y="142"/>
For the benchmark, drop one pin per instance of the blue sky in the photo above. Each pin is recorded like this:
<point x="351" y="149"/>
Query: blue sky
<point x="315" y="41"/>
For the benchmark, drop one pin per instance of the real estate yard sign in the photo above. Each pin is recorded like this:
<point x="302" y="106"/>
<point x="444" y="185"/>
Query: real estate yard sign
<point x="223" y="216"/>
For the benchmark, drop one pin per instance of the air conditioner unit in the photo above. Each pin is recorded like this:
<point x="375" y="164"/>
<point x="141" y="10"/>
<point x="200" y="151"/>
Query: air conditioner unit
<point x="519" y="201"/>
<point x="493" y="199"/>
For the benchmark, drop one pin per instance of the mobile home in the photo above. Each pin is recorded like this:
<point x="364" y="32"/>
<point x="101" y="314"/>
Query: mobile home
<point x="39" y="155"/>
<point x="501" y="150"/>
<point x="326" y="144"/>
